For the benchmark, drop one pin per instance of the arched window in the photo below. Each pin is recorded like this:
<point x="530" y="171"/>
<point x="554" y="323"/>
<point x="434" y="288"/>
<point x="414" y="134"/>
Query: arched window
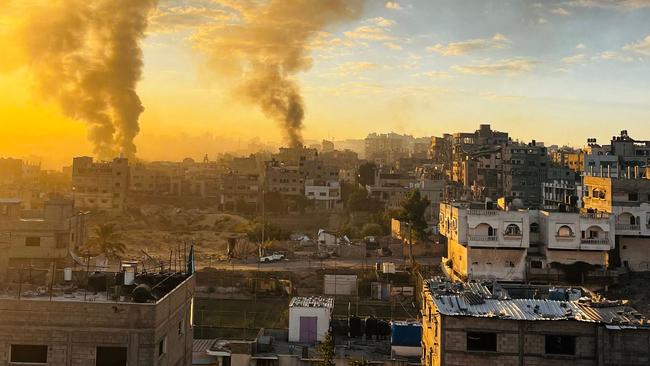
<point x="565" y="231"/>
<point x="513" y="230"/>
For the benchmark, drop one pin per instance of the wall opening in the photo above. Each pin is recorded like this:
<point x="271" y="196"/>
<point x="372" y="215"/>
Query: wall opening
<point x="560" y="345"/>
<point x="25" y="353"/>
<point x="482" y="341"/>
<point x="111" y="356"/>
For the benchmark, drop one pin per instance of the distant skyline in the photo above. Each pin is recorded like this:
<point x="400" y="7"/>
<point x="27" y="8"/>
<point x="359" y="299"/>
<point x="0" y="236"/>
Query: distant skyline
<point x="554" y="71"/>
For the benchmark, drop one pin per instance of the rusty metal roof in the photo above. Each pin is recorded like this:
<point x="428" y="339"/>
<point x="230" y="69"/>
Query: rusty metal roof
<point x="476" y="300"/>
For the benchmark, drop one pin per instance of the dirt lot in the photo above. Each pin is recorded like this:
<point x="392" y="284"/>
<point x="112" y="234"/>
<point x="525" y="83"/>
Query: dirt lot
<point x="158" y="229"/>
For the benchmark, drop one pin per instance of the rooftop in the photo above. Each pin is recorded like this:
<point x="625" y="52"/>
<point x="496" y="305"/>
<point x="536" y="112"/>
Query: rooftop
<point x="312" y="302"/>
<point x="531" y="303"/>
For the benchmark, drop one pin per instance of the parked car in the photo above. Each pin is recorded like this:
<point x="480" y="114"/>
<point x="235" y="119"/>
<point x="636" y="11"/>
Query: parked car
<point x="272" y="258"/>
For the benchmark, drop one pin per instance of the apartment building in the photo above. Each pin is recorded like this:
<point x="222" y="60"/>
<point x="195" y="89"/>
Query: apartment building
<point x="487" y="323"/>
<point x="100" y="186"/>
<point x="556" y="192"/>
<point x="524" y="170"/>
<point x="599" y="160"/>
<point x="37" y="239"/>
<point x="117" y="320"/>
<point x="387" y="148"/>
<point x="628" y="200"/>
<point x="325" y="194"/>
<point x="286" y="180"/>
<point x="630" y="152"/>
<point x="484" y="242"/>
<point x="571" y="237"/>
<point x="240" y="192"/>
<point x="571" y="158"/>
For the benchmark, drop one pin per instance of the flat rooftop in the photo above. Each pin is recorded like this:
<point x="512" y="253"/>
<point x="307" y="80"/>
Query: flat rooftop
<point x="101" y="287"/>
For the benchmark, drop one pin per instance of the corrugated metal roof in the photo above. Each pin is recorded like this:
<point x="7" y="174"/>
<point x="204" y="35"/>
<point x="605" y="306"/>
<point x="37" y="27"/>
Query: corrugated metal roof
<point x="475" y="299"/>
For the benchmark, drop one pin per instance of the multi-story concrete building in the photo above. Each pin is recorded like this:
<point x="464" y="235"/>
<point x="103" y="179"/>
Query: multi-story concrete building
<point x="100" y="186"/>
<point x="325" y="194"/>
<point x="629" y="201"/>
<point x="240" y="192"/>
<point x="524" y="170"/>
<point x="570" y="158"/>
<point x="498" y="324"/>
<point x="571" y="237"/>
<point x="287" y="180"/>
<point x="387" y="148"/>
<point x="484" y="242"/>
<point x="558" y="191"/>
<point x="39" y="240"/>
<point x="630" y="152"/>
<point x="117" y="321"/>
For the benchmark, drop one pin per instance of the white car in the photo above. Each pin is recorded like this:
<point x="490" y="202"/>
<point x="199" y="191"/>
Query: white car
<point x="272" y="258"/>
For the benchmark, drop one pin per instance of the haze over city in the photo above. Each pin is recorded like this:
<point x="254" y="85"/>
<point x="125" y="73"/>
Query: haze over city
<point x="324" y="182"/>
<point x="415" y="67"/>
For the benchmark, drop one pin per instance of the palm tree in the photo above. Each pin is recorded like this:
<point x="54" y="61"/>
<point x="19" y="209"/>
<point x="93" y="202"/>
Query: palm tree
<point x="108" y="244"/>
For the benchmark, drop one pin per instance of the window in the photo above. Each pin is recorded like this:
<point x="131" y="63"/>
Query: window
<point x="33" y="241"/>
<point x="564" y="232"/>
<point x="513" y="230"/>
<point x="162" y="347"/>
<point x="535" y="264"/>
<point x="534" y="227"/>
<point x="111" y="356"/>
<point x="634" y="196"/>
<point x="181" y="327"/>
<point x="482" y="341"/>
<point x="23" y="353"/>
<point x="560" y="345"/>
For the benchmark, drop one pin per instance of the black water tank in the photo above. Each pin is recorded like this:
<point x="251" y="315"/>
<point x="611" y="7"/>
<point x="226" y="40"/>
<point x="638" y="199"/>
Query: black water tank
<point x="97" y="282"/>
<point x="355" y="326"/>
<point x="141" y="294"/>
<point x="383" y="329"/>
<point x="371" y="326"/>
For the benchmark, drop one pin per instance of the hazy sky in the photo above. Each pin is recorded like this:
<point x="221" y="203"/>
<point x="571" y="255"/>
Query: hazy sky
<point x="556" y="71"/>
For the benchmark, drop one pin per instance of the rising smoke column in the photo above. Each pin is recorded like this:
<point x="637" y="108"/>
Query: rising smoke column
<point x="86" y="56"/>
<point x="267" y="45"/>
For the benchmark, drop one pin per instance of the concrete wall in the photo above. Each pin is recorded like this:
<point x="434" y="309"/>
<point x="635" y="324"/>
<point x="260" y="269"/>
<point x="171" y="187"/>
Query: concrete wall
<point x="635" y="252"/>
<point x="322" y="314"/>
<point x="73" y="330"/>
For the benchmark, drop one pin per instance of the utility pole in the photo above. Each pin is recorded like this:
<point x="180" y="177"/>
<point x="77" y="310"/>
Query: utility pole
<point x="411" y="243"/>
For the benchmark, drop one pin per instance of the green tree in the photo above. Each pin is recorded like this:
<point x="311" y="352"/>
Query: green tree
<point x="372" y="229"/>
<point x="325" y="351"/>
<point x="361" y="362"/>
<point x="358" y="201"/>
<point x="108" y="240"/>
<point x="366" y="175"/>
<point x="412" y="210"/>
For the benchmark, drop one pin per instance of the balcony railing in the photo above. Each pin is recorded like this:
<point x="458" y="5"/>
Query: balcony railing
<point x="594" y="241"/>
<point x="482" y="237"/>
<point x="475" y="211"/>
<point x="594" y="215"/>
<point x="628" y="227"/>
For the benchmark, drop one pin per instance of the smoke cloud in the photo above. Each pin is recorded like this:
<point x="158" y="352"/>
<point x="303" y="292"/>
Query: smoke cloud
<point x="86" y="56"/>
<point x="267" y="46"/>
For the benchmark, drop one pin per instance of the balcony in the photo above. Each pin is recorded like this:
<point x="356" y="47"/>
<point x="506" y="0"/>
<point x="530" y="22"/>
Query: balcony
<point x="482" y="237"/>
<point x="628" y="227"/>
<point x="599" y="241"/>
<point x="474" y="211"/>
<point x="594" y="215"/>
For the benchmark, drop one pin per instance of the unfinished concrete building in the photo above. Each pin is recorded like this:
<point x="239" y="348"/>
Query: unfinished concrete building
<point x="100" y="186"/>
<point x="116" y="319"/>
<point x="486" y="323"/>
<point x="38" y="240"/>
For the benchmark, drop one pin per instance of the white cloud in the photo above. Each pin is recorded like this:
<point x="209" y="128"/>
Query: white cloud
<point x="393" y="5"/>
<point x="508" y="66"/>
<point x="370" y="33"/>
<point x="610" y="4"/>
<point x="393" y="46"/>
<point x="561" y="12"/>
<point x="381" y="22"/>
<point x="542" y="20"/>
<point x="472" y="45"/>
<point x="355" y="67"/>
<point x="435" y="74"/>
<point x="613" y="56"/>
<point x="575" y="59"/>
<point x="581" y="46"/>
<point x="642" y="47"/>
